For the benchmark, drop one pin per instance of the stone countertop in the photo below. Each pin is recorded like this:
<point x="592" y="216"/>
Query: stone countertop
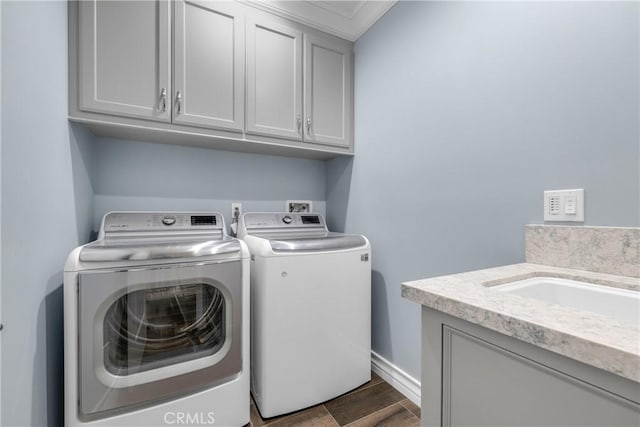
<point x="594" y="339"/>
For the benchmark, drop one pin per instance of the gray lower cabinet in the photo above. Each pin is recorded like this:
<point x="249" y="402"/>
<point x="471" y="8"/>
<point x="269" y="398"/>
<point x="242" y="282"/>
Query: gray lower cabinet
<point x="124" y="58"/>
<point x="472" y="376"/>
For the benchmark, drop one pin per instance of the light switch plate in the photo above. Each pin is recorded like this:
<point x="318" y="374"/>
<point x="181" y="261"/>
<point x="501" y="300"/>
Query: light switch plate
<point x="564" y="205"/>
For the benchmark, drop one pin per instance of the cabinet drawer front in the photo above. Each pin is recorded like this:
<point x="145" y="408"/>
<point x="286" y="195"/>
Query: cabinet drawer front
<point x="484" y="384"/>
<point x="124" y="58"/>
<point x="274" y="80"/>
<point x="209" y="64"/>
<point x="327" y="91"/>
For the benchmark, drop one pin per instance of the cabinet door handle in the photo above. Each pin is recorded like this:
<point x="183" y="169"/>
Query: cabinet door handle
<point x="299" y="117"/>
<point x="308" y="124"/>
<point x="178" y="102"/>
<point x="163" y="100"/>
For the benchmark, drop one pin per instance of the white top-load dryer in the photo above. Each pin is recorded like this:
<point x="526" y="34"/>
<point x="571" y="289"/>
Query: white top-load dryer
<point x="311" y="310"/>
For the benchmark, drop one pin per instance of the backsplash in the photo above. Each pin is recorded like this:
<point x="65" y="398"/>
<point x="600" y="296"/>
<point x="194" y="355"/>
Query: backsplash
<point x="613" y="250"/>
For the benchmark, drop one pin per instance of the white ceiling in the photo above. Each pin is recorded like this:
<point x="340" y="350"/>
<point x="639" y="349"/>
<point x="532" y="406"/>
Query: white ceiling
<point x="346" y="8"/>
<point x="348" y="19"/>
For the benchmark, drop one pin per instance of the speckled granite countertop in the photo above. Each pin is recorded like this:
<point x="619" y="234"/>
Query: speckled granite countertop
<point x="597" y="340"/>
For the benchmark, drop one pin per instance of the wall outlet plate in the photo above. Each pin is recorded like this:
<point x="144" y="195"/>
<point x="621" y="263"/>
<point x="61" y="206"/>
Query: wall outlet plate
<point x="298" y="206"/>
<point x="236" y="206"/>
<point x="564" y="205"/>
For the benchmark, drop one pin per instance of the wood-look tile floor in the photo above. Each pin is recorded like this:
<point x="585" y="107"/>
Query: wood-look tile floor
<point x="375" y="403"/>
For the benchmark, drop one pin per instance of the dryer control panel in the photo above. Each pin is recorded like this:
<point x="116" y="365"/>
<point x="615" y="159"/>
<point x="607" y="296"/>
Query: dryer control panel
<point x="128" y="223"/>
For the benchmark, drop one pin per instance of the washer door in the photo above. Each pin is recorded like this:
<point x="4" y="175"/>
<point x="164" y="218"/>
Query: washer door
<point x="149" y="334"/>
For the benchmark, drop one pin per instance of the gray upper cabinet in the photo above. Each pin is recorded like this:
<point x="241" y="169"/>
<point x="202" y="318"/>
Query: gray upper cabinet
<point x="327" y="91"/>
<point x="289" y="95"/>
<point x="125" y="58"/>
<point x="274" y="80"/>
<point x="214" y="73"/>
<point x="208" y="87"/>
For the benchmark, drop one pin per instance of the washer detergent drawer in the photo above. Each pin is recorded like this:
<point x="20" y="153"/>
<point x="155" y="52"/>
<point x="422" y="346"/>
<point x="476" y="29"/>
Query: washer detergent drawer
<point x="152" y="333"/>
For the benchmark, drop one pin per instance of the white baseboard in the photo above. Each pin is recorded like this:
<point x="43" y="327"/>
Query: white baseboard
<point x="396" y="377"/>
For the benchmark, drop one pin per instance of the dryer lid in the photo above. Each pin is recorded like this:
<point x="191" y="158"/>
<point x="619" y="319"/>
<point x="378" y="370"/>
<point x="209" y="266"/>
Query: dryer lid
<point x="156" y="249"/>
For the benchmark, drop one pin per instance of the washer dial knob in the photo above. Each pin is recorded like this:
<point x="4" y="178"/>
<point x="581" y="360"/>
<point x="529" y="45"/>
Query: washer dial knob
<point x="287" y="219"/>
<point x="168" y="220"/>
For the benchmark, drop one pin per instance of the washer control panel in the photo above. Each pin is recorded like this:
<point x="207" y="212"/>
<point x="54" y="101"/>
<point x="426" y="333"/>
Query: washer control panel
<point x="283" y="221"/>
<point x="310" y="219"/>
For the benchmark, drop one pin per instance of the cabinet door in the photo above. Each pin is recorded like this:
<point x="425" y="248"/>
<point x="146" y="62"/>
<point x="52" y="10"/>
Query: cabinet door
<point x="209" y="64"/>
<point x="328" y="91"/>
<point x="124" y="58"/>
<point x="274" y="80"/>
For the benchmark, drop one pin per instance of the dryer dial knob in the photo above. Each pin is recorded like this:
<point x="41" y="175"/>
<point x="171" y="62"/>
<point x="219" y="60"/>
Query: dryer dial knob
<point x="287" y="219"/>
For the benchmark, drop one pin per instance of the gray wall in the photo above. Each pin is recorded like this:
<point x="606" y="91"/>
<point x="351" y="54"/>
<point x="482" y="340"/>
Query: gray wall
<point x="46" y="207"/>
<point x="132" y="175"/>
<point x="465" y="114"/>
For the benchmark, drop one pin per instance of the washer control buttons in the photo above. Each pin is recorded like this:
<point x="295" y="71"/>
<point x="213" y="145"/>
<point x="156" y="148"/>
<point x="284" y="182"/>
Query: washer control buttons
<point x="287" y="219"/>
<point x="168" y="220"/>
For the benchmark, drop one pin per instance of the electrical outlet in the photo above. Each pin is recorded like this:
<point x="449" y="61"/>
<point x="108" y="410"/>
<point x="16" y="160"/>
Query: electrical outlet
<point x="298" y="206"/>
<point x="236" y="211"/>
<point x="564" y="205"/>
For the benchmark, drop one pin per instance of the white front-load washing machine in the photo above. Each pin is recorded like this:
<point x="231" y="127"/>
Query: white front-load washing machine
<point x="156" y="315"/>
<point x="311" y="310"/>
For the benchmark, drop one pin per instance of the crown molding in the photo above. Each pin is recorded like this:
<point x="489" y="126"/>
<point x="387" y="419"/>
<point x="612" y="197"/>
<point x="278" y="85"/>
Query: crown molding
<point x="325" y="16"/>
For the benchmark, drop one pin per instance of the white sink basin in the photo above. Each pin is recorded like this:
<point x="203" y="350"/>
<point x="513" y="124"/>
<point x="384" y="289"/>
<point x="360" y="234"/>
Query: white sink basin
<point x="618" y="303"/>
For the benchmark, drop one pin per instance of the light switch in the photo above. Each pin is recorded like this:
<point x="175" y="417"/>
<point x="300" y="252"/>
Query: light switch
<point x="564" y="205"/>
<point x="554" y="205"/>
<point x="570" y="204"/>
